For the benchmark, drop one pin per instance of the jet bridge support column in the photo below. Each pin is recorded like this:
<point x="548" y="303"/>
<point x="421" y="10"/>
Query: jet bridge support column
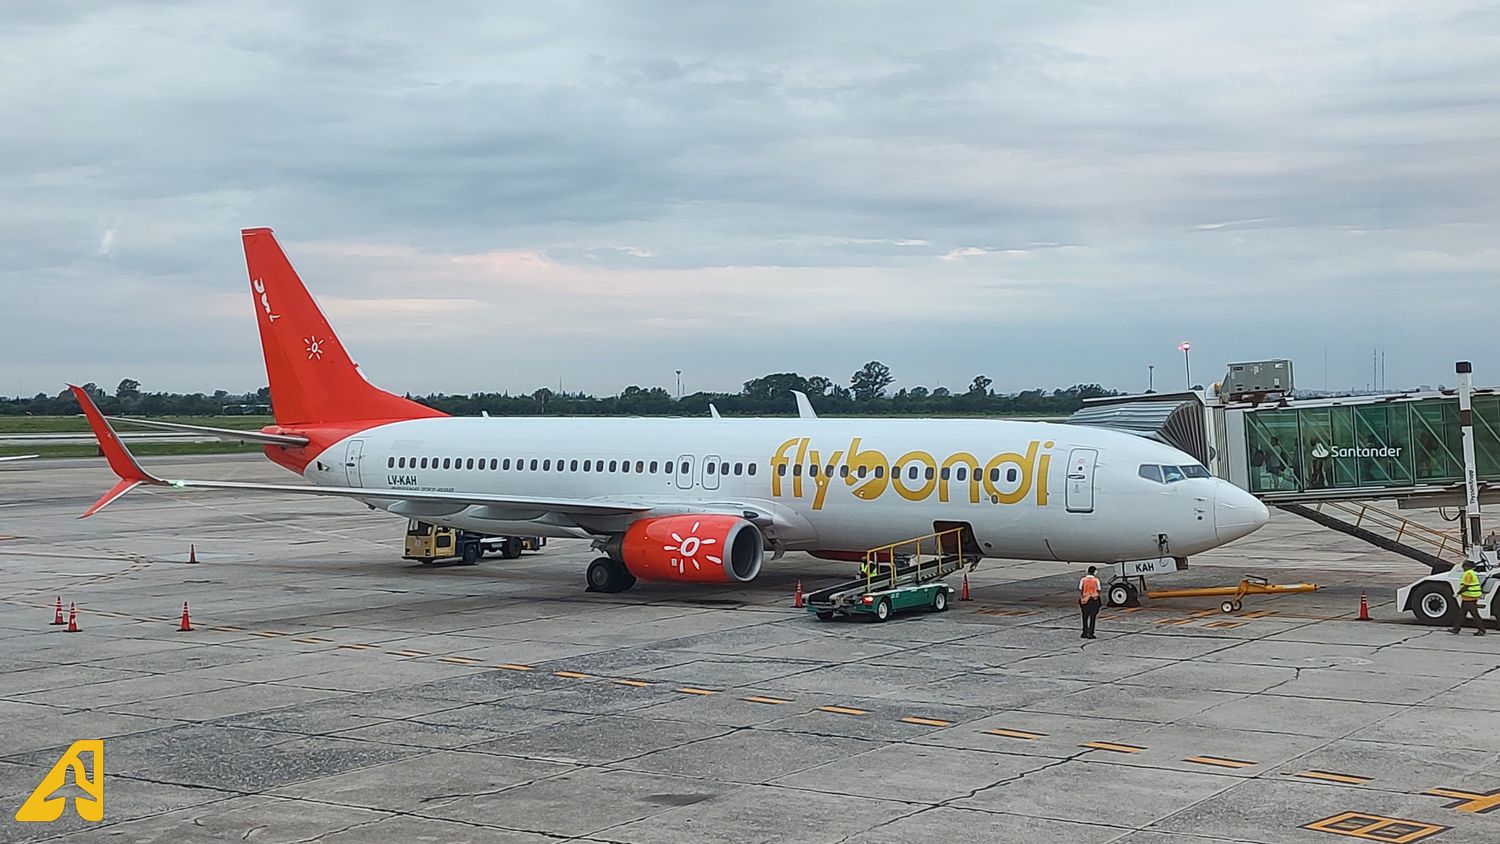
<point x="1473" y="550"/>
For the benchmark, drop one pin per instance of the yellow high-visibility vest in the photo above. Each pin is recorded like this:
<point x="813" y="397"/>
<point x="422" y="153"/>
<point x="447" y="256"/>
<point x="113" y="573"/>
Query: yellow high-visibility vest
<point x="1468" y="586"/>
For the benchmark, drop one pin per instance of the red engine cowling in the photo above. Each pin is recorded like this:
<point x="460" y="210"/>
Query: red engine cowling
<point x="694" y="549"/>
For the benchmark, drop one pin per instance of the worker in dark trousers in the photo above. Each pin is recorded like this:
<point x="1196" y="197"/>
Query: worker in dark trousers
<point x="1088" y="602"/>
<point x="1469" y="593"/>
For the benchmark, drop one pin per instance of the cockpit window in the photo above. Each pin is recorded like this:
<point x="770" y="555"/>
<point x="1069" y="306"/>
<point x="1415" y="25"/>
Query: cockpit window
<point x="1151" y="472"/>
<point x="1171" y="474"/>
<point x="1195" y="471"/>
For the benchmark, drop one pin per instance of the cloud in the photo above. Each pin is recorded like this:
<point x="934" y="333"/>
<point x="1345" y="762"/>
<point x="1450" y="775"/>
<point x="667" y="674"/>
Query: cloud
<point x="1048" y="193"/>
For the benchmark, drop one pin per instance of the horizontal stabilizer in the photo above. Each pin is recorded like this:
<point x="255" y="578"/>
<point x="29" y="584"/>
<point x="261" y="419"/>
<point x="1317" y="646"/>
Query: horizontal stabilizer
<point x="229" y="434"/>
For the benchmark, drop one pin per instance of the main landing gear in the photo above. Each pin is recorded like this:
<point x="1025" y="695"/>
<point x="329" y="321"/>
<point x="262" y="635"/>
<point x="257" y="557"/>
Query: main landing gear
<point x="607" y="574"/>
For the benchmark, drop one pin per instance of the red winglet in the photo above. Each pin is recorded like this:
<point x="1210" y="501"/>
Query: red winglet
<point x="120" y="459"/>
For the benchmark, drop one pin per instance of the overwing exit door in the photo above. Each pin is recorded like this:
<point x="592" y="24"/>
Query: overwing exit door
<point x="1081" y="480"/>
<point x="351" y="461"/>
<point x="711" y="471"/>
<point x="685" y="472"/>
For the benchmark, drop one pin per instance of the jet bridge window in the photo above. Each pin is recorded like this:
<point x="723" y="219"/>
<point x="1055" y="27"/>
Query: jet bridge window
<point x="1150" y="471"/>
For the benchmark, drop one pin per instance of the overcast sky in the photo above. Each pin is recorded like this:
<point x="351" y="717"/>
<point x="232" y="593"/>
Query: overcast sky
<point x="497" y="196"/>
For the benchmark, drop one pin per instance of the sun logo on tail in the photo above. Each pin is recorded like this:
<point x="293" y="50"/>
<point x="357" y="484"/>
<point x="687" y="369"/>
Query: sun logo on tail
<point x="314" y="347"/>
<point x="687" y="549"/>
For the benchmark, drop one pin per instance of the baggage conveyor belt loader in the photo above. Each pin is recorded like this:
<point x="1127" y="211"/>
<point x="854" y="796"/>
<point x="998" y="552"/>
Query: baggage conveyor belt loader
<point x="898" y="577"/>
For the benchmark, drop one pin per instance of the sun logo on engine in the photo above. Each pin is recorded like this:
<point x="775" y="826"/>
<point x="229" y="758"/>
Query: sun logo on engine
<point x="687" y="549"/>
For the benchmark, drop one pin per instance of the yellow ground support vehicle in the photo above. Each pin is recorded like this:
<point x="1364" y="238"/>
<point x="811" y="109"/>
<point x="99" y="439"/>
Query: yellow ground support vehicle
<point x="428" y="543"/>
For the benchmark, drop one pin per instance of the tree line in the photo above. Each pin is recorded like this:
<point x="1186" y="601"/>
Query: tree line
<point x="868" y="393"/>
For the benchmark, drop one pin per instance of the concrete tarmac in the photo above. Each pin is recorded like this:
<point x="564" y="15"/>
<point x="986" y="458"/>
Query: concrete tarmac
<point x="332" y="692"/>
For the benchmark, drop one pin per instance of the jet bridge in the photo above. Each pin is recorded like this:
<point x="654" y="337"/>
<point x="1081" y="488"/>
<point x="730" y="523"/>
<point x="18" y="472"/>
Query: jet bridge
<point x="1326" y="458"/>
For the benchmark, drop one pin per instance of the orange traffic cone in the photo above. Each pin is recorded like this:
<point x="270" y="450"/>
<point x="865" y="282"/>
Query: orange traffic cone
<point x="1364" y="608"/>
<point x="186" y="626"/>
<point x="72" y="618"/>
<point x="57" y="618"/>
<point x="797" y="598"/>
<point x="192" y="553"/>
<point x="963" y="594"/>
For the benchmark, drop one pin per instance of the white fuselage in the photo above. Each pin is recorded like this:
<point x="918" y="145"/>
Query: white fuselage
<point x="1029" y="490"/>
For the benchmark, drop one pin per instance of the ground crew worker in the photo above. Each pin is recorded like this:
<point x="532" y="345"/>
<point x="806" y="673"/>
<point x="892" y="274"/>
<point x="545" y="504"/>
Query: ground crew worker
<point x="1088" y="602"/>
<point x="1468" y="600"/>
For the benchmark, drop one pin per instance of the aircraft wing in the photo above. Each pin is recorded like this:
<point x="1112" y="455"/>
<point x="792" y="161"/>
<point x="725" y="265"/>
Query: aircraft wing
<point x="132" y="475"/>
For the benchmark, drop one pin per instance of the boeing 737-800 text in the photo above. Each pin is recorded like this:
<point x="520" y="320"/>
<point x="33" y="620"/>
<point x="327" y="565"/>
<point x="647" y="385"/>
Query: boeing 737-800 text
<point x="705" y="499"/>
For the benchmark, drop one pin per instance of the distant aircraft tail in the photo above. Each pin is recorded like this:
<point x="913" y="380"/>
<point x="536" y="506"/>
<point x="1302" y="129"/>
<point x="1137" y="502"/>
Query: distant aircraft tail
<point x="313" y="380"/>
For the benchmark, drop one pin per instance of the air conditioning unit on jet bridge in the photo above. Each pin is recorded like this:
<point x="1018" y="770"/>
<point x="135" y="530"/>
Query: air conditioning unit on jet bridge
<point x="1256" y="380"/>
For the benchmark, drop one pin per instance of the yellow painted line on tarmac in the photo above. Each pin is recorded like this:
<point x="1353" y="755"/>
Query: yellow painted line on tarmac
<point x="1328" y="776"/>
<point x="1224" y="625"/>
<point x="408" y="653"/>
<point x="571" y="675"/>
<point x="926" y="722"/>
<point x="1112" y="747"/>
<point x="692" y="690"/>
<point x="1219" y="762"/>
<point x="267" y="634"/>
<point x="1175" y="621"/>
<point x="1015" y="734"/>
<point x="1480" y="803"/>
<point x="1258" y="614"/>
<point x="770" y="701"/>
<point x="843" y="710"/>
<point x="511" y="666"/>
<point x="357" y="647"/>
<point x="458" y="660"/>
<point x="639" y="684"/>
<point x="312" y="640"/>
<point x="228" y="629"/>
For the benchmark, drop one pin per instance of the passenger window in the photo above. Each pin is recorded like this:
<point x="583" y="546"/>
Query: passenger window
<point x="614" y="465"/>
<point x="625" y="466"/>
<point x="844" y="471"/>
<point x="862" y="471"/>
<point x="471" y="463"/>
<point x="797" y="471"/>
<point x="653" y="467"/>
<point x="561" y="467"/>
<point x="1171" y="474"/>
<point x="738" y="468"/>
<point x="1010" y="475"/>
<point x="723" y="468"/>
<point x="390" y="463"/>
<point x="1150" y="472"/>
<point x="424" y="463"/>
<point x="546" y="465"/>
<point x="573" y="466"/>
<point x="750" y="469"/>
<point x="505" y="464"/>
<point x="781" y="470"/>
<point x="685" y="468"/>
<point x="963" y="473"/>
<point x="928" y="473"/>
<point x="995" y="476"/>
<point x="533" y="464"/>
<point x="588" y="465"/>
<point x="640" y="467"/>
<point x="447" y="461"/>
<point x="813" y="470"/>
<point x="879" y="471"/>
<point x="494" y="463"/>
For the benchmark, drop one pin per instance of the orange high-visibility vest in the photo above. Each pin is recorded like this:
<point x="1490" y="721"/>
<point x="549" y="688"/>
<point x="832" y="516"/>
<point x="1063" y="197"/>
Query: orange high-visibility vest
<point x="1088" y="588"/>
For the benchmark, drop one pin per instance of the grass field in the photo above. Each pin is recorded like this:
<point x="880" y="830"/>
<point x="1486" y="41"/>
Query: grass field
<point x="70" y="424"/>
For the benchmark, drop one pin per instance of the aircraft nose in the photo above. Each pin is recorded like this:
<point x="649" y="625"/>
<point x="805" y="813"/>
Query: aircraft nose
<point x="1237" y="513"/>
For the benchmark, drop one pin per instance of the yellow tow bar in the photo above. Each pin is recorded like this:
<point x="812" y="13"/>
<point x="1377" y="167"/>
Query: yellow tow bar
<point x="1250" y="585"/>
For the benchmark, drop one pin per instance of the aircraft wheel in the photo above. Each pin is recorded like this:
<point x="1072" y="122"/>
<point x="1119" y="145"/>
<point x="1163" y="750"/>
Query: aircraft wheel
<point x="940" y="600"/>
<point x="883" y="610"/>
<point x="607" y="575"/>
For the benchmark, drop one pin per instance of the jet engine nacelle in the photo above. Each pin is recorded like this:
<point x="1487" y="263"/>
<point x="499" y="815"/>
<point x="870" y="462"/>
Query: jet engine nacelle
<point x="692" y="548"/>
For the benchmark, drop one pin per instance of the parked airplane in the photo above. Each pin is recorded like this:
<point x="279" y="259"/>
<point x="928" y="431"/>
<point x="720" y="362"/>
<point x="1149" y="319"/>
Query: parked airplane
<point x="704" y="499"/>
